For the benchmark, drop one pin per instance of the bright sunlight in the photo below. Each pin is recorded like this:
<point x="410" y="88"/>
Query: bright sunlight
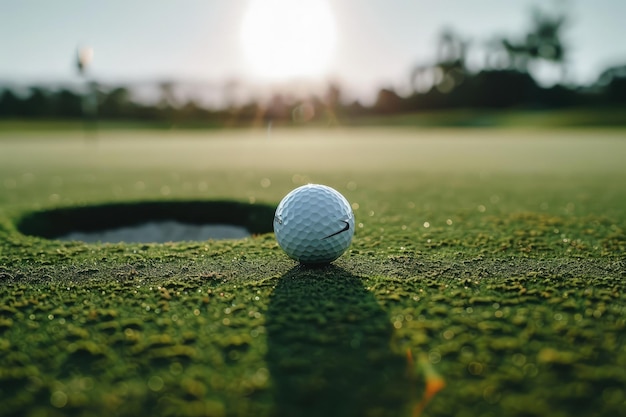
<point x="288" y="39"/>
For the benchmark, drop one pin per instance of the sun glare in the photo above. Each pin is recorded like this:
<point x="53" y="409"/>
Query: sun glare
<point x="288" y="39"/>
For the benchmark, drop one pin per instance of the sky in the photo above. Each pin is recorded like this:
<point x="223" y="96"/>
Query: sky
<point x="361" y="44"/>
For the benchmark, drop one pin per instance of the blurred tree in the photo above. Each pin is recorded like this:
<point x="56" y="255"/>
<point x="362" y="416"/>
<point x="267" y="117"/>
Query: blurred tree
<point x="278" y="109"/>
<point x="332" y="104"/>
<point x="116" y="104"/>
<point x="37" y="104"/>
<point x="167" y="103"/>
<point x="543" y="42"/>
<point x="168" y="97"/>
<point x="231" y="90"/>
<point x="67" y="104"/>
<point x="448" y="71"/>
<point x="612" y="82"/>
<point x="192" y="111"/>
<point x="501" y="89"/>
<point x="388" y="102"/>
<point x="10" y="104"/>
<point x="355" y="110"/>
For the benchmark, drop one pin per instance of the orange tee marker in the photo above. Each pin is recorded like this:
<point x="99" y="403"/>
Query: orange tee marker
<point x="434" y="381"/>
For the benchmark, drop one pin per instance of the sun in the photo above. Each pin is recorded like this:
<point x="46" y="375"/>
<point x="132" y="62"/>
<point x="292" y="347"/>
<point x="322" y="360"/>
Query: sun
<point x="284" y="40"/>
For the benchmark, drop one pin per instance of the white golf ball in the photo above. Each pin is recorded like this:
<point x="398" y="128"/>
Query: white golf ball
<point x="314" y="224"/>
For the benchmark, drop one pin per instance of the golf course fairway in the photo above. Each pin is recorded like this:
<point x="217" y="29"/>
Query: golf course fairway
<point x="486" y="276"/>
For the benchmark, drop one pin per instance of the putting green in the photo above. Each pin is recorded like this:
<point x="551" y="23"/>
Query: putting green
<point x="496" y="257"/>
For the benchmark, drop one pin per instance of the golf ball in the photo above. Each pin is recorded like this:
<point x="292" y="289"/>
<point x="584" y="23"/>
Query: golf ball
<point x="314" y="224"/>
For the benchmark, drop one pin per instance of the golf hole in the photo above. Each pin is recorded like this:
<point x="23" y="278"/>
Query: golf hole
<point x="150" y="222"/>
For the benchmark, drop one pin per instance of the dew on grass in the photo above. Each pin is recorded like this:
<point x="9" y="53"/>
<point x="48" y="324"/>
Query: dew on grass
<point x="434" y="356"/>
<point x="475" y="368"/>
<point x="155" y="383"/>
<point x="176" y="368"/>
<point x="491" y="394"/>
<point x="86" y="383"/>
<point x="518" y="359"/>
<point x="58" y="399"/>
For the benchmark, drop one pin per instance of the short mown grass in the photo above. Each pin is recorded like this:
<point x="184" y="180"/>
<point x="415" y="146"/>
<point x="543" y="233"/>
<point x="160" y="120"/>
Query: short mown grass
<point x="498" y="256"/>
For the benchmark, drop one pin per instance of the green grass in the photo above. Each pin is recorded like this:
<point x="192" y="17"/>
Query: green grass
<point x="600" y="117"/>
<point x="497" y="255"/>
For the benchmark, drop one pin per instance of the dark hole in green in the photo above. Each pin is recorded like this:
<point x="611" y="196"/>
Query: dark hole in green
<point x="51" y="224"/>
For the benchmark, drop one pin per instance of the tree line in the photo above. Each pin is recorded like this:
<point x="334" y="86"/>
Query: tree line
<point x="505" y="81"/>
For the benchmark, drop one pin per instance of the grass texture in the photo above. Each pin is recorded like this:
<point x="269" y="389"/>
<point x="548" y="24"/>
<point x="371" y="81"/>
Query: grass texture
<point x="489" y="263"/>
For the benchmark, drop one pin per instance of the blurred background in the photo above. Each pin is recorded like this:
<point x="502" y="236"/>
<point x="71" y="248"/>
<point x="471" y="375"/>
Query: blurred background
<point x="197" y="63"/>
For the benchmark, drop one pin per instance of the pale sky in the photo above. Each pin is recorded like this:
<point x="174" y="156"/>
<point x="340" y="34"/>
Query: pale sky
<point x="374" y="42"/>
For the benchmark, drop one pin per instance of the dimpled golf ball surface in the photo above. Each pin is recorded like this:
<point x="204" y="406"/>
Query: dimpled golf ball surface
<point x="314" y="224"/>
